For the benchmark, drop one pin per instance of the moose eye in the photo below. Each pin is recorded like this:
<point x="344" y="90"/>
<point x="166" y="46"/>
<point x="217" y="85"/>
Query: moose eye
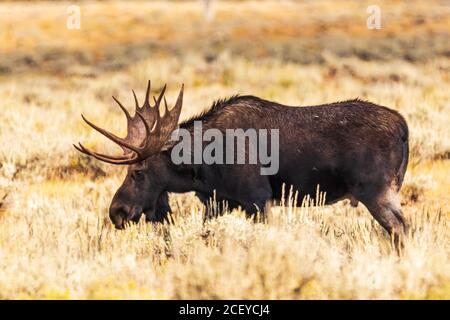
<point x="137" y="174"/>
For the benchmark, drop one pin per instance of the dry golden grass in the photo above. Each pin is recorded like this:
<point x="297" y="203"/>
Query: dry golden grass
<point x="56" y="240"/>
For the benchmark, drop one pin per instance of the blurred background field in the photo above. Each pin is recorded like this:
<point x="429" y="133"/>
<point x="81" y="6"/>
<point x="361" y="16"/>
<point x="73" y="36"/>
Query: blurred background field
<point x="115" y="34"/>
<point x="56" y="240"/>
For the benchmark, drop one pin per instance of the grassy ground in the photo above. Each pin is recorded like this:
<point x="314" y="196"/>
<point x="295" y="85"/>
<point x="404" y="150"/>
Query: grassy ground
<point x="56" y="240"/>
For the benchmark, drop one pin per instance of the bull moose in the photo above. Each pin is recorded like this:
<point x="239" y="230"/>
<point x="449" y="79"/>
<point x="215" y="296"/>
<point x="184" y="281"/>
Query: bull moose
<point x="353" y="150"/>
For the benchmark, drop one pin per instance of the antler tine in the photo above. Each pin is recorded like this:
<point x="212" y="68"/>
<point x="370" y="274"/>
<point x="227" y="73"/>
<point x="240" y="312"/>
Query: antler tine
<point x="166" y="108"/>
<point x="147" y="95"/>
<point x="111" y="136"/>
<point x="101" y="157"/>
<point x="177" y="109"/>
<point x="161" y="95"/>
<point x="86" y="150"/>
<point x="127" y="114"/>
<point x="169" y="122"/>
<point x="136" y="102"/>
<point x="146" y="125"/>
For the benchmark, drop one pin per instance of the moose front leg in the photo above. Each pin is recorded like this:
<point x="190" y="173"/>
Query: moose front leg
<point x="254" y="194"/>
<point x="258" y="201"/>
<point x="162" y="209"/>
<point x="215" y="208"/>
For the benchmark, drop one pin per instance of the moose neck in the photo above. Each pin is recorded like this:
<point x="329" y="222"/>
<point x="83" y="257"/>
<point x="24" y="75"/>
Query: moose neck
<point x="187" y="177"/>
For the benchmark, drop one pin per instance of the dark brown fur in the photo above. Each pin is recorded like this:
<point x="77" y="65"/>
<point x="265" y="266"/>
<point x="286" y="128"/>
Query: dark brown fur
<point x="352" y="149"/>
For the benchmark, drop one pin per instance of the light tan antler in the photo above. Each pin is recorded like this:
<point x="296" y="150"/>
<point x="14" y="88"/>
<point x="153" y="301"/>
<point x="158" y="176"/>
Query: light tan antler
<point x="147" y="131"/>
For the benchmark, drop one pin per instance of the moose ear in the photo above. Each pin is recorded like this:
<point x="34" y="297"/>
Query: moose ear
<point x="168" y="145"/>
<point x="174" y="139"/>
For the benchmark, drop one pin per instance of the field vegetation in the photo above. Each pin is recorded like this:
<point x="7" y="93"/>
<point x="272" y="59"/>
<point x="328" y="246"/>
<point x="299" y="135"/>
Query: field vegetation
<point x="56" y="240"/>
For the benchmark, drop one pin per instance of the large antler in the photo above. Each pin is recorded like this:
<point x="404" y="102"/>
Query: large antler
<point x="147" y="131"/>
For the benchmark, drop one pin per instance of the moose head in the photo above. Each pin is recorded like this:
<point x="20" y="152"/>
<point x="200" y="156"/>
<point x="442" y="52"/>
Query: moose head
<point x="145" y="151"/>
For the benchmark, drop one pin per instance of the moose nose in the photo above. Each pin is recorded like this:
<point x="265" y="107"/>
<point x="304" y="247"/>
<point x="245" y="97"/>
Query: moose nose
<point x="119" y="215"/>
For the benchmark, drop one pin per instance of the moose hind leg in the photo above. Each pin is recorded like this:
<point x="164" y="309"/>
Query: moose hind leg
<point x="387" y="211"/>
<point x="258" y="202"/>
